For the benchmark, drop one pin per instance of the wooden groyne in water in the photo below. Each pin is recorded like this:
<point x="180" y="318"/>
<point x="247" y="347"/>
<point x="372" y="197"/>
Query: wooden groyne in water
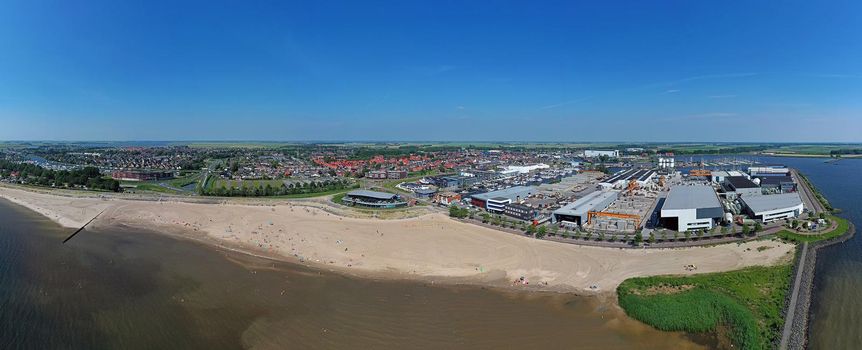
<point x="83" y="227"/>
<point x="797" y="309"/>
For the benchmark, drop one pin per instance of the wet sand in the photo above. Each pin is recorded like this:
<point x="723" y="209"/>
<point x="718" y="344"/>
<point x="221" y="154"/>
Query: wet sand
<point x="126" y="288"/>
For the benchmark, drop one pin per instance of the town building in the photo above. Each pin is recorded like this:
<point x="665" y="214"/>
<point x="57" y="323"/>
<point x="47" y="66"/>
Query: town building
<point x="376" y="174"/>
<point x="396" y="174"/>
<point x="691" y="207"/>
<point x="598" y="153"/>
<point x="769" y="208"/>
<point x="494" y="201"/>
<point x="575" y="213"/>
<point x="520" y="211"/>
<point x="447" y="198"/>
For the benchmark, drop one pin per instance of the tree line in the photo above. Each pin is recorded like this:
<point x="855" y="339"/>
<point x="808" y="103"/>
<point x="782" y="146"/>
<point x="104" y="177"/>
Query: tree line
<point x="88" y="177"/>
<point x="283" y="190"/>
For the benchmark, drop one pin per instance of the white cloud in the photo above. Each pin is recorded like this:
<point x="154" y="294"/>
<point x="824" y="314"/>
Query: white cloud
<point x="565" y="103"/>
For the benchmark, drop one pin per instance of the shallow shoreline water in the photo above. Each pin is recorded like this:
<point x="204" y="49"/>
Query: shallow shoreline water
<point x="124" y="288"/>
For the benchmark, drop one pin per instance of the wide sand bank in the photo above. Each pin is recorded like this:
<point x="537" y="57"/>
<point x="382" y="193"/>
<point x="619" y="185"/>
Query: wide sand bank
<point x="429" y="247"/>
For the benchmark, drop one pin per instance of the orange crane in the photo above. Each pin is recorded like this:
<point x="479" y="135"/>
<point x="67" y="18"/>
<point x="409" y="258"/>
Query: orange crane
<point x="661" y="181"/>
<point x="633" y="185"/>
<point x="635" y="218"/>
<point x="700" y="172"/>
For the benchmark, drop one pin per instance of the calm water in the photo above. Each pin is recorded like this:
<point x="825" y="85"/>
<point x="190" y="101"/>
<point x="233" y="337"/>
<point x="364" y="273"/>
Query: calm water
<point x="836" y="311"/>
<point x="118" y="289"/>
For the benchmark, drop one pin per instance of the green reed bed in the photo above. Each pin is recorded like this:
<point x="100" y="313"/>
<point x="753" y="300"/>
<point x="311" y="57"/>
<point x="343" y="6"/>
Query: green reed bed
<point x="747" y="303"/>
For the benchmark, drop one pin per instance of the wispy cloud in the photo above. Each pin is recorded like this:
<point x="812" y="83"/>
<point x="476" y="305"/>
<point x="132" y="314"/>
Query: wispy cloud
<point x="721" y="96"/>
<point x="566" y="103"/>
<point x="699" y="77"/>
<point x="671" y="91"/>
<point x="836" y="76"/>
<point x="699" y="116"/>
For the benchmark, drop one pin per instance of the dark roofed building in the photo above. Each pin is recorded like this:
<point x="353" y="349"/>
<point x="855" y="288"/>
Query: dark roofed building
<point x="373" y="199"/>
<point x="736" y="186"/>
<point x="780" y="184"/>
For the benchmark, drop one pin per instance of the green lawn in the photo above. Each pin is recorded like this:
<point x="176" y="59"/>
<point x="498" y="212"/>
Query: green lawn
<point x="183" y="181"/>
<point x="843" y="226"/>
<point x="340" y="192"/>
<point x="746" y="303"/>
<point x="153" y="187"/>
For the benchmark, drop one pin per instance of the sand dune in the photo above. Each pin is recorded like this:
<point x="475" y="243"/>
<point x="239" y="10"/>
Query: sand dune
<point x="427" y="247"/>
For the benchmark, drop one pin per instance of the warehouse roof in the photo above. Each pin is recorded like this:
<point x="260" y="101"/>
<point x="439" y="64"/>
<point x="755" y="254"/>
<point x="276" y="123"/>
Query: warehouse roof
<point x="775" y="180"/>
<point x="594" y="201"/>
<point x="740" y="182"/>
<point x="510" y="193"/>
<point x="630" y="174"/>
<point x="759" y="204"/>
<point x="691" y="197"/>
<point x="372" y="194"/>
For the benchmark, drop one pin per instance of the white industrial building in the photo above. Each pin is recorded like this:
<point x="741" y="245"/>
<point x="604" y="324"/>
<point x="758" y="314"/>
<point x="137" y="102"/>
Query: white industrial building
<point x="575" y="213"/>
<point x="768" y="208"/>
<point x="691" y="207"/>
<point x="768" y="170"/>
<point x="719" y="176"/>
<point x="523" y="169"/>
<point x="597" y="153"/>
<point x="665" y="163"/>
<point x="495" y="201"/>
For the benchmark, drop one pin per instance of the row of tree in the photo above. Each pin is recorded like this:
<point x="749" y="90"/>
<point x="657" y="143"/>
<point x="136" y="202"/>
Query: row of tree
<point x="32" y="174"/>
<point x="283" y="190"/>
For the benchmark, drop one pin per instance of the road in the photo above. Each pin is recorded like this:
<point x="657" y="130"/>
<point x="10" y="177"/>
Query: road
<point x="807" y="194"/>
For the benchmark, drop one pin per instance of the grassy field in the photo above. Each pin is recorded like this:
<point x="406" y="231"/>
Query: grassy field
<point x="813" y="149"/>
<point x="151" y="187"/>
<point x="743" y="306"/>
<point x="843" y="226"/>
<point x="340" y="192"/>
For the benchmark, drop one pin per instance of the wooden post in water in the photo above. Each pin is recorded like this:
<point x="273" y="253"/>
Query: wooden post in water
<point x="82" y="227"/>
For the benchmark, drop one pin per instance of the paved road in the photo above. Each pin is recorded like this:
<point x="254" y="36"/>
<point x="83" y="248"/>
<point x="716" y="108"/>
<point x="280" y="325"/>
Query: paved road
<point x="794" y="298"/>
<point x="807" y="194"/>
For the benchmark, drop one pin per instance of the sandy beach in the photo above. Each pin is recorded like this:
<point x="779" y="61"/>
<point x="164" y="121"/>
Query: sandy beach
<point x="429" y="247"/>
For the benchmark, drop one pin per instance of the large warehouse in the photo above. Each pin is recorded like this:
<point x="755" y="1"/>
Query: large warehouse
<point x="576" y="212"/>
<point x="691" y="208"/>
<point x="768" y="170"/>
<point x="495" y="201"/>
<point x="621" y="178"/>
<point x="773" y="207"/>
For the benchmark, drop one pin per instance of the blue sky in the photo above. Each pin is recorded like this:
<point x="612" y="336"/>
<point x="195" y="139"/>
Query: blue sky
<point x="436" y="70"/>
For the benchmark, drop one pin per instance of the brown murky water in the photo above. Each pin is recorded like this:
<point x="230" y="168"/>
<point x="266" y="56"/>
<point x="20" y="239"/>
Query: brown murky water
<point x="137" y="290"/>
